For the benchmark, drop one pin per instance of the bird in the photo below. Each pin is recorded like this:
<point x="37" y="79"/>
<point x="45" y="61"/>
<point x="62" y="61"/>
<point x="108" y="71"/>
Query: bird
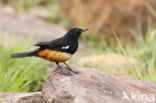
<point x="59" y="50"/>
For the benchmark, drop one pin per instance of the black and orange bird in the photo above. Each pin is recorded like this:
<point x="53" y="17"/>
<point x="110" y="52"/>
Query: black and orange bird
<point x="58" y="50"/>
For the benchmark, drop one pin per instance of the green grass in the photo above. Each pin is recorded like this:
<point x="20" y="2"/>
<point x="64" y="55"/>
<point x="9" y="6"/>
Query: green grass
<point x="143" y="50"/>
<point x="25" y="74"/>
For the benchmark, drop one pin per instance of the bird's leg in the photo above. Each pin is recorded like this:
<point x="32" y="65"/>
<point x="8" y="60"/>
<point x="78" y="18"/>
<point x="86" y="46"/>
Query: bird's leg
<point x="69" y="68"/>
<point x="62" y="69"/>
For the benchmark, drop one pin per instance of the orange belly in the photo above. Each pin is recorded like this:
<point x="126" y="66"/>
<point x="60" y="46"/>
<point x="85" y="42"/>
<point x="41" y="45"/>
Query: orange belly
<point x="54" y="56"/>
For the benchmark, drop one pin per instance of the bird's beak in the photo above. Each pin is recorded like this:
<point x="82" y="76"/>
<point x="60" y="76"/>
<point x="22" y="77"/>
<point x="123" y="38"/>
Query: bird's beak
<point x="82" y="30"/>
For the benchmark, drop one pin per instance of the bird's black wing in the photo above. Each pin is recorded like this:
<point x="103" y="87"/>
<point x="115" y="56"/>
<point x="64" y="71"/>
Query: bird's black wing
<point x="43" y="44"/>
<point x="53" y="45"/>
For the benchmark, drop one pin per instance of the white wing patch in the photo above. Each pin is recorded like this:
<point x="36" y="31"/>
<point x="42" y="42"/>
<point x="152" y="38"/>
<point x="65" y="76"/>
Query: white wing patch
<point x="65" y="47"/>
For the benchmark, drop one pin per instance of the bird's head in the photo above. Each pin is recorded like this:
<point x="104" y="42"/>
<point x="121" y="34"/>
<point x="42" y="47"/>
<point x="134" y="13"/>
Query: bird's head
<point x="75" y="32"/>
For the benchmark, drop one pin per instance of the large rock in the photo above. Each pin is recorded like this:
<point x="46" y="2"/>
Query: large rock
<point x="89" y="86"/>
<point x="93" y="86"/>
<point x="104" y="17"/>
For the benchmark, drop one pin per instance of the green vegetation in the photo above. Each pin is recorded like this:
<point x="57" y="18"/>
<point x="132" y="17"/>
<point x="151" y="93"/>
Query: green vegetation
<point x="144" y="50"/>
<point x="25" y="74"/>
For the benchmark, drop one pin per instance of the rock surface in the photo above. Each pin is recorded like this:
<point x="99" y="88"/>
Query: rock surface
<point x="93" y="86"/>
<point x="89" y="86"/>
<point x="104" y="17"/>
<point x="21" y="98"/>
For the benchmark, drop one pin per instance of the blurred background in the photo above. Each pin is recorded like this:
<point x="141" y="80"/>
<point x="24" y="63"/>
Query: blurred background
<point x="121" y="39"/>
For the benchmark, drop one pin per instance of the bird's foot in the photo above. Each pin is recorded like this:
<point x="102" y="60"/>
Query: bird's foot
<point x="67" y="74"/>
<point x="76" y="72"/>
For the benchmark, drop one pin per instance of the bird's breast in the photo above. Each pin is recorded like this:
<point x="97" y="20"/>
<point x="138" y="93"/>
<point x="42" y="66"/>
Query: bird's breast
<point x="52" y="55"/>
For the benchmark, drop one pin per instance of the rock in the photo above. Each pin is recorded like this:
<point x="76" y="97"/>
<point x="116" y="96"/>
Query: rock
<point x="116" y="63"/>
<point x="93" y="86"/>
<point x="21" y="98"/>
<point x="104" y="17"/>
<point x="22" y="24"/>
<point x="89" y="86"/>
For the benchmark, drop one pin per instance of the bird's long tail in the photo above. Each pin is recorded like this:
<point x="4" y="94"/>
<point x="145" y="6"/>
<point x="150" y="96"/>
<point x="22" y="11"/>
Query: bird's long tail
<point x="24" y="54"/>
